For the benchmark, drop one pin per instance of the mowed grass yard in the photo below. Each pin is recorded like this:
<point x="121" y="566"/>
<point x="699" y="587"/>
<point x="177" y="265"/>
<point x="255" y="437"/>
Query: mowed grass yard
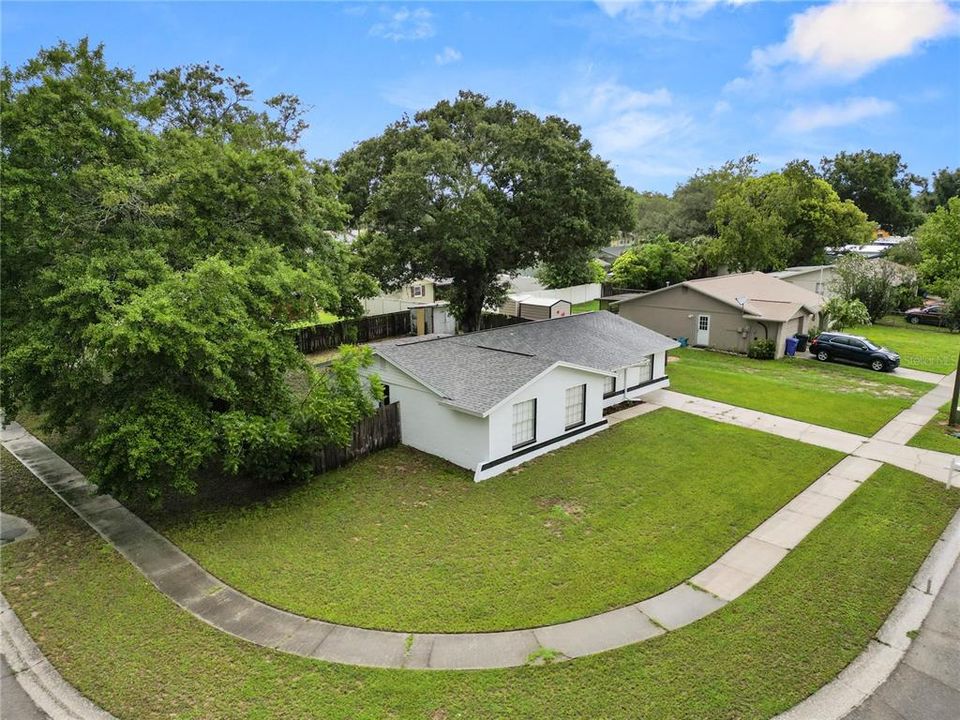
<point x="129" y="649"/>
<point x="921" y="347"/>
<point x="401" y="540"/>
<point x="937" y="435"/>
<point x="837" y="396"/>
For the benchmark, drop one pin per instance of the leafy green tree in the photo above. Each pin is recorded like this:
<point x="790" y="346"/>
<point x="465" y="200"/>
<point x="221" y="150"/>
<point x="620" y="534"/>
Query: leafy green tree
<point x="878" y="184"/>
<point x="841" y="313"/>
<point x="946" y="185"/>
<point x="939" y="242"/>
<point x="575" y="271"/>
<point x="656" y="214"/>
<point x="875" y="283"/>
<point x="906" y="253"/>
<point x="782" y="219"/>
<point x="470" y="190"/>
<point x="150" y="266"/>
<point x="951" y="308"/>
<point x="694" y="200"/>
<point x="655" y="264"/>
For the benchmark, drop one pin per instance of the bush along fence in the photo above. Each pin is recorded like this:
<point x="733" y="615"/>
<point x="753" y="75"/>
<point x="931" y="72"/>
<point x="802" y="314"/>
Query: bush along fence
<point x="380" y="430"/>
<point x="360" y="330"/>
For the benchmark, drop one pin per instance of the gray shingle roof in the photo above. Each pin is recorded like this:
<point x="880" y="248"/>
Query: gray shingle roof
<point x="478" y="370"/>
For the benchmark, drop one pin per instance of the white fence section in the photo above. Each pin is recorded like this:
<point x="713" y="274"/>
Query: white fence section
<point x="525" y="285"/>
<point x="384" y="305"/>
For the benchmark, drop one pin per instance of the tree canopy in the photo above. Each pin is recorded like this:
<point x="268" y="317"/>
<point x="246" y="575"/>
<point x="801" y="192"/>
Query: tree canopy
<point x="655" y="264"/>
<point x="944" y="184"/>
<point x="158" y="237"/>
<point x="939" y="242"/>
<point x="878" y="184"/>
<point x="782" y="219"/>
<point x="470" y="190"/>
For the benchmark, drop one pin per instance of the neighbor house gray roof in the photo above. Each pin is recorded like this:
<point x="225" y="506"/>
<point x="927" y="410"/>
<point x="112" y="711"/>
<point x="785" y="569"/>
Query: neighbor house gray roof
<point x="477" y="371"/>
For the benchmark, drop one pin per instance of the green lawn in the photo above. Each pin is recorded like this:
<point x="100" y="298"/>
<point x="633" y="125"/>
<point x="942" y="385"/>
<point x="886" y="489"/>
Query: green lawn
<point x="836" y="396"/>
<point x="600" y="524"/>
<point x="921" y="347"/>
<point x="936" y="434"/>
<point x="588" y="306"/>
<point x="140" y="657"/>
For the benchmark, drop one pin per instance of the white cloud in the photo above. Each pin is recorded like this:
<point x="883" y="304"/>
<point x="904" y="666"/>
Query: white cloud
<point x="449" y="55"/>
<point x="633" y="131"/>
<point x="848" y="38"/>
<point x="846" y="112"/>
<point x="657" y="10"/>
<point x="721" y="107"/>
<point x="610" y="97"/>
<point x="404" y="24"/>
<point x="622" y="121"/>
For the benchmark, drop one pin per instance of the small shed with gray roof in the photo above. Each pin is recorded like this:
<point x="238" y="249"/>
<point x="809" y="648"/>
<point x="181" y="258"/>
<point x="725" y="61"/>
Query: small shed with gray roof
<point x="490" y="400"/>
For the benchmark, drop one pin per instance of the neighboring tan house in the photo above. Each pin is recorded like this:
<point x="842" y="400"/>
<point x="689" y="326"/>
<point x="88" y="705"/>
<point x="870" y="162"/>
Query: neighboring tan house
<point x="727" y="312"/>
<point x="490" y="400"/>
<point x="418" y="292"/>
<point x="815" y="278"/>
<point x="532" y="307"/>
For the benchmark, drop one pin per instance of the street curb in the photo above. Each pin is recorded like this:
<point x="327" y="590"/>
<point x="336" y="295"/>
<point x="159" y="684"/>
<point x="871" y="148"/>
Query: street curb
<point x="861" y="678"/>
<point x="38" y="678"/>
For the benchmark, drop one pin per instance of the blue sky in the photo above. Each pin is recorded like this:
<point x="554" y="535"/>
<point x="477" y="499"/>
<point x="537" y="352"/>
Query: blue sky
<point x="661" y="89"/>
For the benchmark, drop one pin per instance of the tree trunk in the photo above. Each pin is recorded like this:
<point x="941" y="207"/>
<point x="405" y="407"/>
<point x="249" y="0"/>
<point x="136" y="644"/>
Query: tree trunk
<point x="473" y="299"/>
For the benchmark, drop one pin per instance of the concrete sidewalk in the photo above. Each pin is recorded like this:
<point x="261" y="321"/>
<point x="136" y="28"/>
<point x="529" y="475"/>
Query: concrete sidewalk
<point x="888" y="445"/>
<point x="191" y="587"/>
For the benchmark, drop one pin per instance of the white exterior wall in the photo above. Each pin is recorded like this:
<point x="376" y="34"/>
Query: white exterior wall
<point x="630" y="376"/>
<point x="550" y="393"/>
<point x="428" y="425"/>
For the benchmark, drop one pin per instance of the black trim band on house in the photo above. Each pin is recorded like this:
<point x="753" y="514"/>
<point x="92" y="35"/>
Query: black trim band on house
<point x="545" y="443"/>
<point x="607" y="396"/>
<point x="644" y="384"/>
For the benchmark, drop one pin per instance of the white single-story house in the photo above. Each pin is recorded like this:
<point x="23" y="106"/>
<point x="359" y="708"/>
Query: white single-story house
<point x="532" y="307"/>
<point x="727" y="312"/>
<point x="490" y="400"/>
<point x="815" y="278"/>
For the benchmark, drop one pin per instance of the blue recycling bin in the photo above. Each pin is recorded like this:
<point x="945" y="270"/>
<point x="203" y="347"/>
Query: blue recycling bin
<point x="683" y="341"/>
<point x="792" y="346"/>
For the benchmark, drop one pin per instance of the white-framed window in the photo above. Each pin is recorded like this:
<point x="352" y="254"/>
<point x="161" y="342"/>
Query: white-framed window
<point x="646" y="369"/>
<point x="417" y="290"/>
<point x="703" y="322"/>
<point x="576" y="406"/>
<point x="609" y="385"/>
<point x="524" y="423"/>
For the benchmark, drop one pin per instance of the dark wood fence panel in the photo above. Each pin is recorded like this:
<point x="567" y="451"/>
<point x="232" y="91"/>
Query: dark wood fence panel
<point x="366" y="329"/>
<point x="488" y="321"/>
<point x="607" y="289"/>
<point x="380" y="430"/>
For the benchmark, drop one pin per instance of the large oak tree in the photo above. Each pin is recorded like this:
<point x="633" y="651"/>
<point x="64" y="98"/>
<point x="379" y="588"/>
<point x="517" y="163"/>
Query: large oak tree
<point x="470" y="190"/>
<point x="158" y="236"/>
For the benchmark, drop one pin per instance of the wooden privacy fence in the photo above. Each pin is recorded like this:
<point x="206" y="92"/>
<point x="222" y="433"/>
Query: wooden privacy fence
<point x="488" y="321"/>
<point x="366" y="329"/>
<point x="380" y="430"/>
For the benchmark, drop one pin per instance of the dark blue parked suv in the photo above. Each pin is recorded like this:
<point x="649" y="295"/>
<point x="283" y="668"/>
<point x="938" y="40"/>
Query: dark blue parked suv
<point x="853" y="349"/>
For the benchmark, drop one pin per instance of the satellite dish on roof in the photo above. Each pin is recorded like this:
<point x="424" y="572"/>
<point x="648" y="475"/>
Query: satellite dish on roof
<point x="741" y="301"/>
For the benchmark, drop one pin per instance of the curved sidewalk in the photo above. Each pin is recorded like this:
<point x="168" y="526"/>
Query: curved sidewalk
<point x="190" y="586"/>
